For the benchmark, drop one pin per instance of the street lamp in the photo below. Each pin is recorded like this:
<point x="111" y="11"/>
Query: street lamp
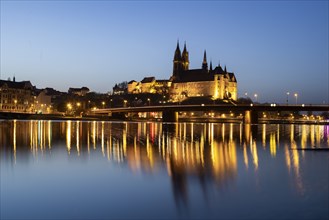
<point x="296" y="96"/>
<point x="256" y="96"/>
<point x="111" y="103"/>
<point x="103" y="104"/>
<point x="288" y="97"/>
<point x="125" y="103"/>
<point x="69" y="107"/>
<point x="149" y="100"/>
<point x="15" y="101"/>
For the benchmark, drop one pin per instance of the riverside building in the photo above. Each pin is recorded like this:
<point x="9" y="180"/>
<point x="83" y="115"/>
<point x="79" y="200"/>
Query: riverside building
<point x="184" y="82"/>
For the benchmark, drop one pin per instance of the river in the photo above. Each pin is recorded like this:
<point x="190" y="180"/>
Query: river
<point x="152" y="170"/>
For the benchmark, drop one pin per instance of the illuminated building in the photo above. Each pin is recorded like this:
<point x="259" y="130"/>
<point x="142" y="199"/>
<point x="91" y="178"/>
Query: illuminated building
<point x="216" y="83"/>
<point x="15" y="96"/>
<point x="184" y="82"/>
<point x="149" y="85"/>
<point x="78" y="91"/>
<point x="42" y="101"/>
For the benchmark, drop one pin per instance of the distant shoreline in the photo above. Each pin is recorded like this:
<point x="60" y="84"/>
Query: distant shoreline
<point x="59" y="117"/>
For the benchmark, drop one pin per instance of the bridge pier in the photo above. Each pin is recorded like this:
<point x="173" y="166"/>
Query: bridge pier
<point x="118" y="115"/>
<point x="251" y="117"/>
<point x="169" y="116"/>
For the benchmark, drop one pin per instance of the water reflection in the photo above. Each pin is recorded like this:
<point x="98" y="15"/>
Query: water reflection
<point x="202" y="151"/>
<point x="189" y="143"/>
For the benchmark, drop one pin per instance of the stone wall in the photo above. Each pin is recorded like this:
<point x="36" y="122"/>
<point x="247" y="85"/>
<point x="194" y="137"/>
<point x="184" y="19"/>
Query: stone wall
<point x="218" y="88"/>
<point x="181" y="91"/>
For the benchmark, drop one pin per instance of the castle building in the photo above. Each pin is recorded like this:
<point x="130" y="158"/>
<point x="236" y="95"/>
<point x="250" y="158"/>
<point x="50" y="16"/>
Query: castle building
<point x="215" y="83"/>
<point x="184" y="83"/>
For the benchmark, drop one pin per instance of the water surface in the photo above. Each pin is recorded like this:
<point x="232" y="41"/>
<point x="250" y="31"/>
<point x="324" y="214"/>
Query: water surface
<point x="101" y="170"/>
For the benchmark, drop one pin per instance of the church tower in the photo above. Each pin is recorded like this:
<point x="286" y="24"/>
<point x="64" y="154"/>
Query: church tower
<point x="178" y="64"/>
<point x="185" y="58"/>
<point x="205" y="63"/>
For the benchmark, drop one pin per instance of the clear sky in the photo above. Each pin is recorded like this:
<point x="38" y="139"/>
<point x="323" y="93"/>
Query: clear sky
<point x="273" y="47"/>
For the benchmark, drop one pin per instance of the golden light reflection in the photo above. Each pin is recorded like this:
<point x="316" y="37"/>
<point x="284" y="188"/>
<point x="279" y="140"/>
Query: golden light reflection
<point x="78" y="137"/>
<point x="295" y="160"/>
<point x="223" y="132"/>
<point x="49" y="134"/>
<point x="273" y="145"/>
<point x="31" y="135"/>
<point x="14" y="140"/>
<point x="254" y="154"/>
<point x="199" y="149"/>
<point x="40" y="134"/>
<point x="231" y="131"/>
<point x="292" y="133"/>
<point x="149" y="152"/>
<point x="318" y="131"/>
<point x="312" y="135"/>
<point x="264" y="135"/>
<point x="287" y="156"/>
<point x="292" y="162"/>
<point x="88" y="138"/>
<point x="102" y="139"/>
<point x="278" y="134"/>
<point x="245" y="156"/>
<point x="68" y="136"/>
<point x="303" y="140"/>
<point x="124" y="140"/>
<point x="109" y="143"/>
<point x="240" y="133"/>
<point x="247" y="133"/>
<point x="93" y="134"/>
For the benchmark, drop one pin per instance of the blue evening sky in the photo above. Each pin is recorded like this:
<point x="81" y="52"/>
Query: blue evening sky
<point x="272" y="46"/>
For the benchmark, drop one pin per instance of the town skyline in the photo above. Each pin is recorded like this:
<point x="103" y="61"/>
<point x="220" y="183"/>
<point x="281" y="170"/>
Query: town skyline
<point x="92" y="45"/>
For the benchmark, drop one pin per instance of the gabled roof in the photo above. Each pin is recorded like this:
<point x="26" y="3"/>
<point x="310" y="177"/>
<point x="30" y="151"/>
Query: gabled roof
<point x="16" y="85"/>
<point x="232" y="77"/>
<point x="148" y="79"/>
<point x="52" y="92"/>
<point x="132" y="81"/>
<point x="162" y="80"/>
<point x="218" y="70"/>
<point x="78" y="89"/>
<point x="194" y="75"/>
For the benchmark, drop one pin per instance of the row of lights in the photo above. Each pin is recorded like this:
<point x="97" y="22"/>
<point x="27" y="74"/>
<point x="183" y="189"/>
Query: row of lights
<point x="288" y="93"/>
<point x="70" y="106"/>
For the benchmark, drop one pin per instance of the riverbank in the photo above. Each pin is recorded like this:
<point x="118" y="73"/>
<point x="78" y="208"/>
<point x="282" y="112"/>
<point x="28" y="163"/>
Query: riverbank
<point x="28" y="116"/>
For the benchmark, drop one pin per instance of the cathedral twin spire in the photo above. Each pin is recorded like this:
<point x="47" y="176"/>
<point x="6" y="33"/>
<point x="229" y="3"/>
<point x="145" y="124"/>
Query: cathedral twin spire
<point x="177" y="56"/>
<point x="205" y="63"/>
<point x="185" y="58"/>
<point x="181" y="60"/>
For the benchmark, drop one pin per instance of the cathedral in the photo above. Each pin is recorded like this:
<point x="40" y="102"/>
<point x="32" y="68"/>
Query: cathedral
<point x="184" y="83"/>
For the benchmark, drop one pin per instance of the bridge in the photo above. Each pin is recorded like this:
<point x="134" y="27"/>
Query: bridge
<point x="170" y="112"/>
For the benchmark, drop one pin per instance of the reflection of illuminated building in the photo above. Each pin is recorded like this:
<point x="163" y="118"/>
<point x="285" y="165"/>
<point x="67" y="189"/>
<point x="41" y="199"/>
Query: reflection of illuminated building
<point x="253" y="150"/>
<point x="273" y="145"/>
<point x="292" y="162"/>
<point x="68" y="136"/>
<point x="203" y="151"/>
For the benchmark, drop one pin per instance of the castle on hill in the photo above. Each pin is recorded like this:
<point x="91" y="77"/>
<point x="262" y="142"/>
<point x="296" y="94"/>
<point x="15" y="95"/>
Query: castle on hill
<point x="184" y="82"/>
